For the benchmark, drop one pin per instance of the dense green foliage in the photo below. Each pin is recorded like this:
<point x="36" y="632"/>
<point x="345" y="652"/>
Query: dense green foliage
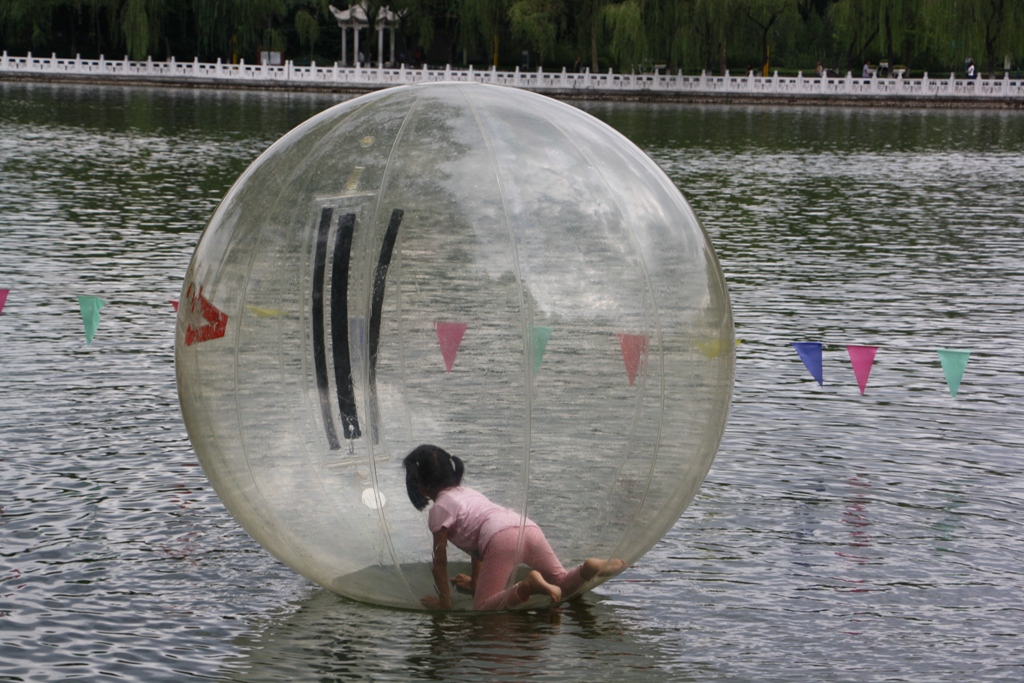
<point x="692" y="35"/>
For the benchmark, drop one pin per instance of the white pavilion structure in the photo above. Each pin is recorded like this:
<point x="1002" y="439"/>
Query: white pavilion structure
<point x="355" y="18"/>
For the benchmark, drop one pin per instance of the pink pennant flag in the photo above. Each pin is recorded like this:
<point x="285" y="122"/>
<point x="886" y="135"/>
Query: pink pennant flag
<point x="3" y="298"/>
<point x="634" y="348"/>
<point x="174" y="303"/>
<point x="861" y="357"/>
<point x="449" y="336"/>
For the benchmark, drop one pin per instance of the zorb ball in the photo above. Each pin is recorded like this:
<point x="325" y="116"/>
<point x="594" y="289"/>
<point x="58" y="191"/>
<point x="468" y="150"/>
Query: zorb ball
<point x="471" y="266"/>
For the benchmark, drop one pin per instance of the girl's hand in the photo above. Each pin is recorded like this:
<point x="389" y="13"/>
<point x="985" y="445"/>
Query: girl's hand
<point x="434" y="602"/>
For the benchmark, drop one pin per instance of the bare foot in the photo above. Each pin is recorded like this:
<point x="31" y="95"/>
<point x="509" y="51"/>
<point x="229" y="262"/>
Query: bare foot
<point x="595" y="567"/>
<point x="464" y="584"/>
<point x="534" y="584"/>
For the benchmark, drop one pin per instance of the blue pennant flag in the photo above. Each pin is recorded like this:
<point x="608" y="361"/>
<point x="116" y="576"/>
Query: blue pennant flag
<point x="810" y="354"/>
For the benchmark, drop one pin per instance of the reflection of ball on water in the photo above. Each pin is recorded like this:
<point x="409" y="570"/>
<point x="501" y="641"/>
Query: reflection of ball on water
<point x="473" y="266"/>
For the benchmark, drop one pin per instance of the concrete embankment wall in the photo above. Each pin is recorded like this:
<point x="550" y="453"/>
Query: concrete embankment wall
<point x="1004" y="93"/>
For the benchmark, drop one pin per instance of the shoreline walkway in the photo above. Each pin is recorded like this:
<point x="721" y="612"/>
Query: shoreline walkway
<point x="1004" y="92"/>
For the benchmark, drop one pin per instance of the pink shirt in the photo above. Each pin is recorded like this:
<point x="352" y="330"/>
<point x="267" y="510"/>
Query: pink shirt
<point x="471" y="519"/>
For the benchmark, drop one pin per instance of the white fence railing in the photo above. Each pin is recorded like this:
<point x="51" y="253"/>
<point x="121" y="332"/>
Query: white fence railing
<point x="376" y="77"/>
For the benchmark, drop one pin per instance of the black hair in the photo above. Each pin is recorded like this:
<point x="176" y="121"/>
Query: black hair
<point x="433" y="468"/>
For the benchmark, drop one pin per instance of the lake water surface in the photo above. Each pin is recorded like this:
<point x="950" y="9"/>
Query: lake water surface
<point x="838" y="537"/>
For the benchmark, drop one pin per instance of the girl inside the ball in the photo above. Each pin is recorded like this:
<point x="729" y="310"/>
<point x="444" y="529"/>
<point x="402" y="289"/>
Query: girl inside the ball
<point x="490" y="535"/>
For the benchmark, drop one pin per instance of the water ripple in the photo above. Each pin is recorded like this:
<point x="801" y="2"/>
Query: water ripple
<point x="838" y="537"/>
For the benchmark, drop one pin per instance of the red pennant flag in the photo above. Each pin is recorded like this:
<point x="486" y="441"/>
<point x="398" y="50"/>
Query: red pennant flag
<point x="3" y="298"/>
<point x="216" y="324"/>
<point x="634" y="349"/>
<point x="862" y="357"/>
<point x="174" y="303"/>
<point x="449" y="336"/>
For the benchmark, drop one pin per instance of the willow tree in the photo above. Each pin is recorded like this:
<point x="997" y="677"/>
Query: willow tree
<point x="588" y="19"/>
<point x="623" y="23"/>
<point x="418" y="18"/>
<point x="536" y="22"/>
<point x="27" y="22"/>
<point x="898" y="29"/>
<point x="134" y="24"/>
<point x="997" y="30"/>
<point x="960" y="29"/>
<point x="856" y="25"/>
<point x="893" y="29"/>
<point x="239" y="26"/>
<point x="714" y="22"/>
<point x="211" y="21"/>
<point x="807" y="8"/>
<point x="764" y="14"/>
<point x="307" y="26"/>
<point x="481" y="24"/>
<point x="259" y="25"/>
<point x="954" y="25"/>
<point x="140" y="24"/>
<point x="669" y="29"/>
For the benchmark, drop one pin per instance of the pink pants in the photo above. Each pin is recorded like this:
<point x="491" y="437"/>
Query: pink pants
<point x="500" y="561"/>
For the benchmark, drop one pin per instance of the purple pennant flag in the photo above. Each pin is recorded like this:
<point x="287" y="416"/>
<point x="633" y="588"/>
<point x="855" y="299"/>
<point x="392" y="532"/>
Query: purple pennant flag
<point x="3" y="298"/>
<point x="810" y="354"/>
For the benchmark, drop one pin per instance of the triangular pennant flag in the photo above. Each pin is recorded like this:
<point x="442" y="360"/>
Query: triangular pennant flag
<point x="711" y="347"/>
<point x="449" y="336"/>
<point x="261" y="312"/>
<point x="215" y="323"/>
<point x="3" y="298"/>
<point x="90" y="307"/>
<point x="810" y="354"/>
<point x="862" y="357"/>
<point x="634" y="349"/>
<point x="173" y="303"/>
<point x="954" y="362"/>
<point x="541" y="336"/>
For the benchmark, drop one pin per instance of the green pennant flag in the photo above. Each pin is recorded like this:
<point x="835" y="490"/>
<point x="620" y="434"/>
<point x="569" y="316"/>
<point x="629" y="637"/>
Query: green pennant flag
<point x="954" y="362"/>
<point x="90" y="307"/>
<point x="541" y="335"/>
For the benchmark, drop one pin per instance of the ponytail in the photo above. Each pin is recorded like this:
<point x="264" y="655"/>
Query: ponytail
<point x="431" y="469"/>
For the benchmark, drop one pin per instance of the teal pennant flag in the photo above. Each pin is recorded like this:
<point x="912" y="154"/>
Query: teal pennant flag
<point x="90" y="307"/>
<point x="954" y="362"/>
<point x="541" y="336"/>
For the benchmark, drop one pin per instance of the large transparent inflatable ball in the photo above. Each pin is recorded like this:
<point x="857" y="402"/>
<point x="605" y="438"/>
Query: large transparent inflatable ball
<point x="476" y="267"/>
